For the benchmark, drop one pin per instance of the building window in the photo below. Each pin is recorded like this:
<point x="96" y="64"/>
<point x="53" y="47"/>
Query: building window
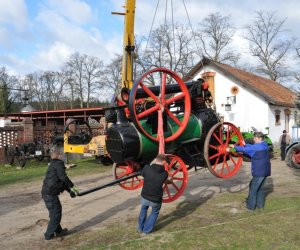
<point x="277" y="117"/>
<point x="287" y="114"/>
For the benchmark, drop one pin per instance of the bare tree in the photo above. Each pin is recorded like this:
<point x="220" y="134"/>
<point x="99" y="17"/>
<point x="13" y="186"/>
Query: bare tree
<point x="69" y="87"/>
<point x="37" y="91"/>
<point x="56" y="82"/>
<point x="111" y="77"/>
<point x="47" y="81"/>
<point x="170" y="47"/>
<point x="215" y="33"/>
<point x="86" y="72"/>
<point x="297" y="50"/>
<point x="93" y="69"/>
<point x="75" y="67"/>
<point x="268" y="43"/>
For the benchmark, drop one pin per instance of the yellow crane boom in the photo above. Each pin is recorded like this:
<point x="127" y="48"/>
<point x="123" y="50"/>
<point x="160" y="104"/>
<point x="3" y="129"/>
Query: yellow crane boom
<point x="128" y="44"/>
<point x="96" y="146"/>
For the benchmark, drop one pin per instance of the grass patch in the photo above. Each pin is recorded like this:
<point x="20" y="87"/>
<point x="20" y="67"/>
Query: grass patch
<point x="204" y="225"/>
<point x="35" y="170"/>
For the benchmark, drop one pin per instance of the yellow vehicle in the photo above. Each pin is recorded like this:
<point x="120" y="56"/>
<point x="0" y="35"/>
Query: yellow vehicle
<point x="78" y="137"/>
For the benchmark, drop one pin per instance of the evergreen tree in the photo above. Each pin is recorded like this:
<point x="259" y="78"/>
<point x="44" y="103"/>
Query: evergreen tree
<point x="3" y="98"/>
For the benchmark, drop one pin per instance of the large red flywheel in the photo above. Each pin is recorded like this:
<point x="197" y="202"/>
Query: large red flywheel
<point x="162" y="101"/>
<point x="161" y="105"/>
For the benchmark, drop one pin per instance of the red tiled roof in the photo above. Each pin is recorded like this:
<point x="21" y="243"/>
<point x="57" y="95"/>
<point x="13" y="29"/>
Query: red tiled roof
<point x="272" y="91"/>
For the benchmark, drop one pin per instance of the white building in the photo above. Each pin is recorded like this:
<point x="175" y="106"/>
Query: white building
<point x="248" y="100"/>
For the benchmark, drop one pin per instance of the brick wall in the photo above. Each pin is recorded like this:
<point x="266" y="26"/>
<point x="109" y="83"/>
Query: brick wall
<point x="11" y="136"/>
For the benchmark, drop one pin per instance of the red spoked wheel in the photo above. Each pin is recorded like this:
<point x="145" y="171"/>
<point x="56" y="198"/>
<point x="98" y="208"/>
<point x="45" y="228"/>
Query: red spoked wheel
<point x="296" y="157"/>
<point x="221" y="163"/>
<point x="159" y="78"/>
<point x="177" y="180"/>
<point x="124" y="169"/>
<point x="293" y="156"/>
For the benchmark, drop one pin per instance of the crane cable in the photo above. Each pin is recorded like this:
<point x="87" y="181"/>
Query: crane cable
<point x="151" y="28"/>
<point x="174" y="45"/>
<point x="193" y="33"/>
<point x="190" y="24"/>
<point x="165" y="26"/>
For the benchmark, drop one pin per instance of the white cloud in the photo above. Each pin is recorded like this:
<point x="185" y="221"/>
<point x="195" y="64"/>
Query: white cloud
<point x="14" y="65"/>
<point x="14" y="13"/>
<point x="4" y="37"/>
<point x="85" y="39"/>
<point x="76" y="11"/>
<point x="14" y="22"/>
<point x="52" y="58"/>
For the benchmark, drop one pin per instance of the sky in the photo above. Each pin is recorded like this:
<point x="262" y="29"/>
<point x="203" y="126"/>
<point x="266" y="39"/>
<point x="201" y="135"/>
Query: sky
<point x="41" y="35"/>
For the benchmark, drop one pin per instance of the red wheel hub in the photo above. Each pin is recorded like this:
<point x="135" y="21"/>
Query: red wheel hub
<point x="124" y="169"/>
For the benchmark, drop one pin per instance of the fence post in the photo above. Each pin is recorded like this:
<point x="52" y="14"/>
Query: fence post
<point x="28" y="130"/>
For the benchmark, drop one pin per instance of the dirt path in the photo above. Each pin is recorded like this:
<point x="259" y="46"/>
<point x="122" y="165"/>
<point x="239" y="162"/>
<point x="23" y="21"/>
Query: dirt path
<point x="23" y="217"/>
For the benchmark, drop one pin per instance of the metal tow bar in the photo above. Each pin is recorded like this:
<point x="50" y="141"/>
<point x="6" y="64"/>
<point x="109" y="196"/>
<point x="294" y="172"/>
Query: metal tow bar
<point x="109" y="184"/>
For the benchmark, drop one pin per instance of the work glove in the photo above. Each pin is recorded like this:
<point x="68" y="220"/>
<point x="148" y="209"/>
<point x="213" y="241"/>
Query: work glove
<point x="74" y="191"/>
<point x="230" y="149"/>
<point x="169" y="180"/>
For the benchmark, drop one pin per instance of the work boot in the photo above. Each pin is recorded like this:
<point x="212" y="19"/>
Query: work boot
<point x="63" y="232"/>
<point x="49" y="237"/>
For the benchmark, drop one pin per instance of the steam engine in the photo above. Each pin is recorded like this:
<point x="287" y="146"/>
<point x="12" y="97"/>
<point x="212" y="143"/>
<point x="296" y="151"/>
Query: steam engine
<point x="126" y="142"/>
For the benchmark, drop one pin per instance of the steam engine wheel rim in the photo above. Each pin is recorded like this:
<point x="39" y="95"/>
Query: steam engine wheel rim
<point x="10" y="154"/>
<point x="221" y="163"/>
<point x="21" y="159"/>
<point x="178" y="172"/>
<point x="296" y="156"/>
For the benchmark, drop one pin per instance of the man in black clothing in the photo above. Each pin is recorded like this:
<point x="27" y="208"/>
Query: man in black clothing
<point x="154" y="177"/>
<point x="55" y="182"/>
<point x="284" y="141"/>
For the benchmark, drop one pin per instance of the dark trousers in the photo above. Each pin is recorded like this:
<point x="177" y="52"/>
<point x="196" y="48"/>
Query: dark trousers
<point x="282" y="149"/>
<point x="55" y="213"/>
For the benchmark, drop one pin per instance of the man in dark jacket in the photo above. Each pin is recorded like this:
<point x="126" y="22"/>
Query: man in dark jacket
<point x="154" y="177"/>
<point x="284" y="141"/>
<point x="260" y="169"/>
<point x="55" y="182"/>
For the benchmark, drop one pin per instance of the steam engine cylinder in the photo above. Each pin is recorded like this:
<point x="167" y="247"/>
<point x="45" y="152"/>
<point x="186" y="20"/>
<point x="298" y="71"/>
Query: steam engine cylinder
<point x="124" y="142"/>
